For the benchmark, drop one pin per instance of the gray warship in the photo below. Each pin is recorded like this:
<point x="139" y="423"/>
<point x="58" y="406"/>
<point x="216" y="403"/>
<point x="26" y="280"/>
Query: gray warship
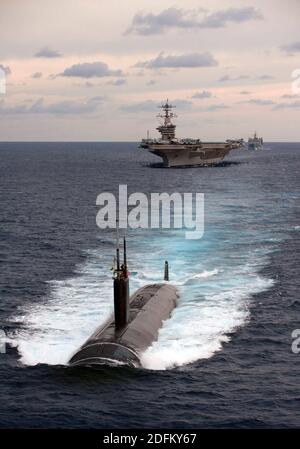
<point x="185" y="152"/>
<point x="255" y="143"/>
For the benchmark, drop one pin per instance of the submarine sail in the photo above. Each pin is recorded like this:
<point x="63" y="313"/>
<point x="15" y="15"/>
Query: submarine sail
<point x="135" y="324"/>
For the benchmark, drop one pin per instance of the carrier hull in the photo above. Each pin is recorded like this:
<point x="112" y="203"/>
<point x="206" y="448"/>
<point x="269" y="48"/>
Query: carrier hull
<point x="173" y="155"/>
<point x="254" y="147"/>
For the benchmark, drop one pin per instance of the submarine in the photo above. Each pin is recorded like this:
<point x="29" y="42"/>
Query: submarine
<point x="135" y="323"/>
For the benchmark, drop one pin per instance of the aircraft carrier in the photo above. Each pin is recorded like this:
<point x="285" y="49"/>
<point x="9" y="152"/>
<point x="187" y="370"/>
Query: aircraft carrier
<point x="185" y="152"/>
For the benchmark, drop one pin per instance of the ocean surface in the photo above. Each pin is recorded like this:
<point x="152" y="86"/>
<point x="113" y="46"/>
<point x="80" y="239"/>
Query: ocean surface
<point x="223" y="360"/>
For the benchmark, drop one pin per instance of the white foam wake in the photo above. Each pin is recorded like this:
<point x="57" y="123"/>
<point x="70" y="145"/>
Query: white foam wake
<point x="53" y="329"/>
<point x="198" y="329"/>
<point x="213" y="303"/>
<point x="206" y="274"/>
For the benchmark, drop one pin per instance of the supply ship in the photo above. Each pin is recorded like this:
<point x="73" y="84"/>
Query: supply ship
<point x="255" y="143"/>
<point x="185" y="152"/>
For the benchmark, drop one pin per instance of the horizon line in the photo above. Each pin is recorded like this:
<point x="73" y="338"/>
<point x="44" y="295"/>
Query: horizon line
<point x="118" y="141"/>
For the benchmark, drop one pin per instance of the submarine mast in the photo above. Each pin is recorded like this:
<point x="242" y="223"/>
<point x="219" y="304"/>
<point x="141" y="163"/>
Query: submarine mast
<point x="121" y="287"/>
<point x="166" y="274"/>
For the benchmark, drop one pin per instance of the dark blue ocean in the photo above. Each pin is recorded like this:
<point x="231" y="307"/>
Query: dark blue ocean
<point x="223" y="360"/>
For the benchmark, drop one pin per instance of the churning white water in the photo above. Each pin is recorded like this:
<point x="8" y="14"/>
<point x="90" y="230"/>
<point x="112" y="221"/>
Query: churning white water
<point x="214" y="301"/>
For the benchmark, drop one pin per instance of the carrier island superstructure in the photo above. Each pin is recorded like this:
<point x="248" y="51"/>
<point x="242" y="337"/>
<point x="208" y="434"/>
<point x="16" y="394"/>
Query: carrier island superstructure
<point x="185" y="152"/>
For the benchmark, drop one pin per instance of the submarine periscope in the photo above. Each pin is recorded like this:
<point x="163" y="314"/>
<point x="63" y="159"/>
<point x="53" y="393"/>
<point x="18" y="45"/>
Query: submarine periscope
<point x="136" y="321"/>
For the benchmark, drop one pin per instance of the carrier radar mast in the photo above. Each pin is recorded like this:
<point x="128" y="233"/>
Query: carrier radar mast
<point x="167" y="128"/>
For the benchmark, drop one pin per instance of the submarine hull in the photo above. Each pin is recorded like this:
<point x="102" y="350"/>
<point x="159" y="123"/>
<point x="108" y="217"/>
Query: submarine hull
<point x="150" y="306"/>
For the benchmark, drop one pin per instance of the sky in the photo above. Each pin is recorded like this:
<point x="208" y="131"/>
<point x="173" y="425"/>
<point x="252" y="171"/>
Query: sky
<point x="97" y="70"/>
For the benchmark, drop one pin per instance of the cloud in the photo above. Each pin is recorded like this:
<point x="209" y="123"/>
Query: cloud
<point x="265" y="77"/>
<point x="90" y="70"/>
<point x="245" y="92"/>
<point x="118" y="82"/>
<point x="5" y="69"/>
<point x="37" y="75"/>
<point x="142" y="106"/>
<point x="215" y="107"/>
<point x="294" y="105"/>
<point x="18" y="109"/>
<point x="47" y="52"/>
<point x="292" y="48"/>
<point x="190" y="60"/>
<point x="226" y="78"/>
<point x="66" y="107"/>
<point x="58" y="108"/>
<point x="182" y="104"/>
<point x="174" y="18"/>
<point x="259" y="102"/>
<point x="237" y="15"/>
<point x="151" y="82"/>
<point x="87" y="84"/>
<point x="202" y="95"/>
<point x="289" y="96"/>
